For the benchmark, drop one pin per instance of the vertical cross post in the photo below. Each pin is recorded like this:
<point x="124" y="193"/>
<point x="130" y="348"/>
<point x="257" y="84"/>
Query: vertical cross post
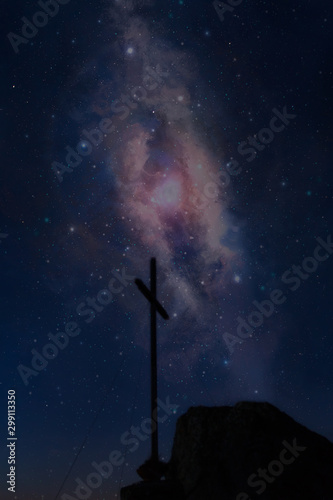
<point x="153" y="354"/>
<point x="155" y="307"/>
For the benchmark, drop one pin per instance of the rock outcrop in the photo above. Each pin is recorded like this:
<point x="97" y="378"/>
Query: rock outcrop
<point x="249" y="451"/>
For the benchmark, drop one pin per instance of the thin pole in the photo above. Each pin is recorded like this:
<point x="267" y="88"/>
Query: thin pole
<point x="155" y="307"/>
<point x="153" y="354"/>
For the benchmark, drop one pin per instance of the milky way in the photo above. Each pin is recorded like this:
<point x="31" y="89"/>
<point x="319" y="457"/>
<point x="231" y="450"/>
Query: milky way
<point x="161" y="178"/>
<point x="174" y="204"/>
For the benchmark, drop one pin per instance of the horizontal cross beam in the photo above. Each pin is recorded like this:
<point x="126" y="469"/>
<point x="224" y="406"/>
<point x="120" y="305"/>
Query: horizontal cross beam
<point x="147" y="293"/>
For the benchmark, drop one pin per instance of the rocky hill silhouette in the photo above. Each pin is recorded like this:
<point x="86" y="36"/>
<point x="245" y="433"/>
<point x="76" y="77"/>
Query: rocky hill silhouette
<point x="249" y="451"/>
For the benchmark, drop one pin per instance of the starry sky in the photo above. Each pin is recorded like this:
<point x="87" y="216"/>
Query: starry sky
<point x="185" y="131"/>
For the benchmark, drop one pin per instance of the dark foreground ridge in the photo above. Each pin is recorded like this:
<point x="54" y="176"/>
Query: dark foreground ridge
<point x="248" y="451"/>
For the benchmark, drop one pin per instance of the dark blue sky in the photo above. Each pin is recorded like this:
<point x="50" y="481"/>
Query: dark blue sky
<point x="190" y="97"/>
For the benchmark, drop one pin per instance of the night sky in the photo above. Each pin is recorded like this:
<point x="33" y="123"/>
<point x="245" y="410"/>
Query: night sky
<point x="133" y="129"/>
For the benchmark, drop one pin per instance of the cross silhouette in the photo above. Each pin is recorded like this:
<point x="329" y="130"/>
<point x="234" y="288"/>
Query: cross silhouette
<point x="155" y="307"/>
